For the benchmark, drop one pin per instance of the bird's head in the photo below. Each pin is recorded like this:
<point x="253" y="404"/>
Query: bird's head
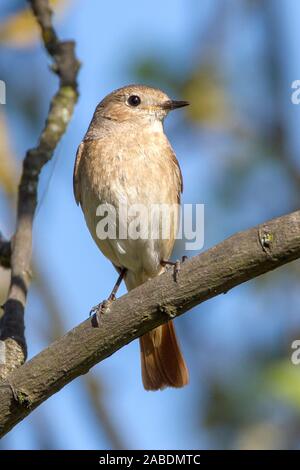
<point x="137" y="103"/>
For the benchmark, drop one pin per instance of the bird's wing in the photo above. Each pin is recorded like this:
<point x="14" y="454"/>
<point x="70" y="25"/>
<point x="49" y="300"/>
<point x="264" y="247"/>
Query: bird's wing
<point x="178" y="174"/>
<point x="76" y="186"/>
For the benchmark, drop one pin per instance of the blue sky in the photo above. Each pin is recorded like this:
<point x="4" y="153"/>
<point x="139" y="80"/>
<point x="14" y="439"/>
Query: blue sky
<point x="110" y="36"/>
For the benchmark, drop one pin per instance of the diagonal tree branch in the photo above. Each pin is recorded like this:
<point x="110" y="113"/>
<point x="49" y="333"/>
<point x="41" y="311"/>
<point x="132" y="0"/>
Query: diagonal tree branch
<point x="238" y="259"/>
<point x="65" y="64"/>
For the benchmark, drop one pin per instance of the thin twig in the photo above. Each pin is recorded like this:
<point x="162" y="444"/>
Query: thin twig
<point x="66" y="66"/>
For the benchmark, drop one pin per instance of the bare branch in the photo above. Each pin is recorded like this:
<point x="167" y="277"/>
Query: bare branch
<point x="66" y="66"/>
<point x="238" y="259"/>
<point x="5" y="252"/>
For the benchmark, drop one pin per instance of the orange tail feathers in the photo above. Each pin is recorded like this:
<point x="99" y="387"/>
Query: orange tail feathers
<point x="162" y="362"/>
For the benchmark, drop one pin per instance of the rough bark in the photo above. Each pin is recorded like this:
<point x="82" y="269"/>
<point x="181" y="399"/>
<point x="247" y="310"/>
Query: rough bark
<point x="240" y="258"/>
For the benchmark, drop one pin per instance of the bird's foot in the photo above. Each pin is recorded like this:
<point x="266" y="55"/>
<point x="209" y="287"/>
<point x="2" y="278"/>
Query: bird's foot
<point x="176" y="266"/>
<point x="99" y="310"/>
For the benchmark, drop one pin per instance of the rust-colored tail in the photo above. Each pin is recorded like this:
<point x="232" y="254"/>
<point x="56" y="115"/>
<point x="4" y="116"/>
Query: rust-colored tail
<point x="162" y="362"/>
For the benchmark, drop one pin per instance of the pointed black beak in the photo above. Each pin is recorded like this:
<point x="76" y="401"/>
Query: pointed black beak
<point x="173" y="104"/>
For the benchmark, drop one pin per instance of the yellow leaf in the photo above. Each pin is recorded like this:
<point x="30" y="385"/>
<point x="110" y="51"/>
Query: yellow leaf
<point x="8" y="165"/>
<point x="21" y="29"/>
<point x="206" y="92"/>
<point x="283" y="381"/>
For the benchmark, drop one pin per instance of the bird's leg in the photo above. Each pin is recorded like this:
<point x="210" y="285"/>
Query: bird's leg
<point x="113" y="293"/>
<point x="101" y="308"/>
<point x="176" y="265"/>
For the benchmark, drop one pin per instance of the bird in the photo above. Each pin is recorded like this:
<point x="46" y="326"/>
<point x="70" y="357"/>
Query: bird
<point x="126" y="158"/>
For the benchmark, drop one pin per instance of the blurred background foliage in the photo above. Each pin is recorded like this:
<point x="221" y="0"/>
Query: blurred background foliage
<point x="238" y="145"/>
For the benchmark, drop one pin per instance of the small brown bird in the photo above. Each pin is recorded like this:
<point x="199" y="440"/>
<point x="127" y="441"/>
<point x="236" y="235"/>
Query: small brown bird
<point x="126" y="159"/>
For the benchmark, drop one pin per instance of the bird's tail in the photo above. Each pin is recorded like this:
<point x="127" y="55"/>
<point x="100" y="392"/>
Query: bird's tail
<point x="162" y="362"/>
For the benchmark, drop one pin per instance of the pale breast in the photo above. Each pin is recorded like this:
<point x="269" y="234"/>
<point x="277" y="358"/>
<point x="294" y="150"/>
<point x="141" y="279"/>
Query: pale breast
<point x="139" y="170"/>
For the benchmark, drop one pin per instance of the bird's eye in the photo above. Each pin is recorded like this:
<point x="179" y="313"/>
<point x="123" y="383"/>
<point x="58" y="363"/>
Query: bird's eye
<point x="134" y="100"/>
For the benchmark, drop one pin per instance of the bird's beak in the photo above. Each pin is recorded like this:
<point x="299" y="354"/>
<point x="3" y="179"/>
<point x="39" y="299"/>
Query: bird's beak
<point x="173" y="104"/>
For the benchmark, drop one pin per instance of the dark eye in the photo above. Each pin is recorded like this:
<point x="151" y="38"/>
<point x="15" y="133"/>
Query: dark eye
<point x="134" y="100"/>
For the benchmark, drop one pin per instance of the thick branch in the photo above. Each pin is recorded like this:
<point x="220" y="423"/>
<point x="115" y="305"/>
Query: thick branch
<point x="66" y="66"/>
<point x="240" y="258"/>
